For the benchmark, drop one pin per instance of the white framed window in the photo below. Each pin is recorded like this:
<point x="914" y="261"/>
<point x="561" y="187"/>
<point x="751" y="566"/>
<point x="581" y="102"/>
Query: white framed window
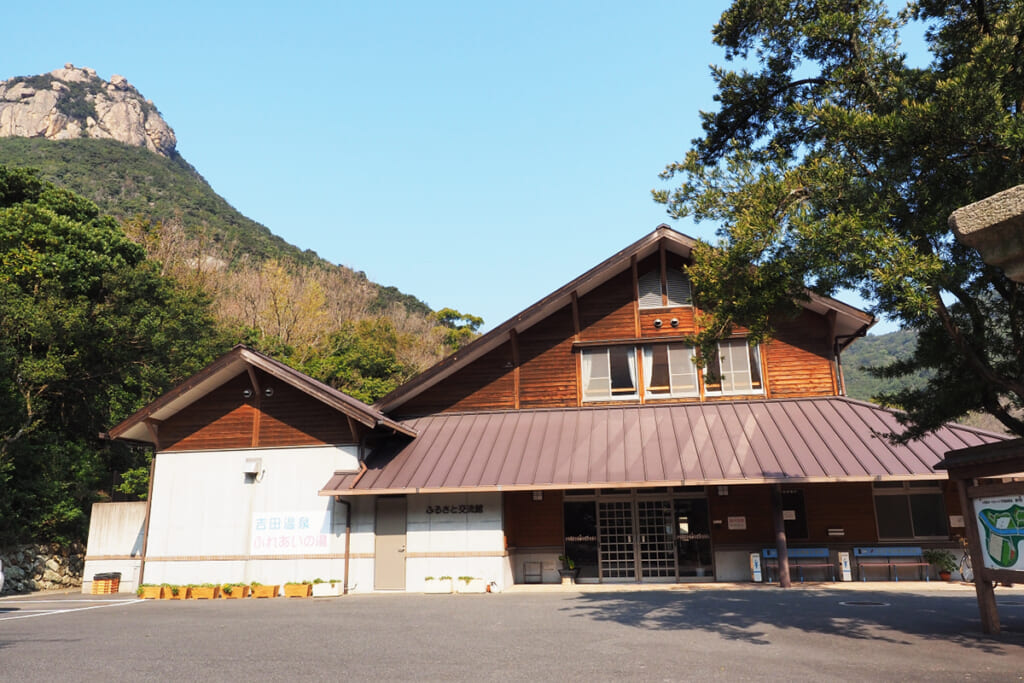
<point x="677" y="289"/>
<point x="736" y="369"/>
<point x="609" y="373"/>
<point x="669" y="371"/>
<point x="908" y="510"/>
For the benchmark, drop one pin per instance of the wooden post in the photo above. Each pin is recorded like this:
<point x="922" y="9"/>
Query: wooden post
<point x="780" y="536"/>
<point x="985" y="590"/>
<point x="145" y="525"/>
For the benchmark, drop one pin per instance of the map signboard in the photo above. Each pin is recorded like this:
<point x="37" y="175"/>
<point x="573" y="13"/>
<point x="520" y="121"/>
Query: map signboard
<point x="1000" y="521"/>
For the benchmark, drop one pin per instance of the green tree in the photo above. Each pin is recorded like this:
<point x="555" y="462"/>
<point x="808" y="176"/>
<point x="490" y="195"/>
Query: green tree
<point x="460" y="328"/>
<point x="362" y="359"/>
<point x="833" y="163"/>
<point x="89" y="332"/>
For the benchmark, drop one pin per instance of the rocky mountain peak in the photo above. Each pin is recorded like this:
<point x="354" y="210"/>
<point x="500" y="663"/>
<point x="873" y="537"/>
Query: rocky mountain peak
<point x="76" y="103"/>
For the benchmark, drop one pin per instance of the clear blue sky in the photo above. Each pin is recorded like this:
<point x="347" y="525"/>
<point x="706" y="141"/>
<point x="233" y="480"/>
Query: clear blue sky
<point x="476" y="155"/>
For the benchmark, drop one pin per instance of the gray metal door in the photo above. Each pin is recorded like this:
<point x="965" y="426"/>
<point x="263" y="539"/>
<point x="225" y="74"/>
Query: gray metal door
<point x="389" y="548"/>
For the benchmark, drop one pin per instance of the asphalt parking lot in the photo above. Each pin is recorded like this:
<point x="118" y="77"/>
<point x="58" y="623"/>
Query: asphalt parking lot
<point x="912" y="632"/>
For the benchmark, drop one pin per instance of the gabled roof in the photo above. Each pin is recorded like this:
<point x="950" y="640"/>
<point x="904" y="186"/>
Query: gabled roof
<point x="850" y="321"/>
<point x="809" y="440"/>
<point x="228" y="366"/>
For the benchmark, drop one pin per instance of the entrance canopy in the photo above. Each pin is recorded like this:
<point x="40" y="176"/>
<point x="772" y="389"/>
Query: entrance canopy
<point x="737" y="442"/>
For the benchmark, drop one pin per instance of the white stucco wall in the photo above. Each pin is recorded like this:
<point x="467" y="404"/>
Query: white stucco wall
<point x="115" y="543"/>
<point x="456" y="543"/>
<point x="203" y="511"/>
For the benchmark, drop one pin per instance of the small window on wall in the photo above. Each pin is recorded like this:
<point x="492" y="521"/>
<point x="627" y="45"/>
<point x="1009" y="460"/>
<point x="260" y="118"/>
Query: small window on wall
<point x="907" y="510"/>
<point x="677" y="289"/>
<point x="609" y="373"/>
<point x="735" y="370"/>
<point x="669" y="371"/>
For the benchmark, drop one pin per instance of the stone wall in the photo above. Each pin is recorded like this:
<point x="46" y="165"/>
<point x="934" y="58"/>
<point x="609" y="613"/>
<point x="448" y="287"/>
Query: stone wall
<point x="42" y="567"/>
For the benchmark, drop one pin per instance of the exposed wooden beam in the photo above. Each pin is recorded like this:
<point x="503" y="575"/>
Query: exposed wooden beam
<point x="513" y="337"/>
<point x="253" y="379"/>
<point x="664" y="273"/>
<point x="257" y="404"/>
<point x="575" y="316"/>
<point x="636" y="298"/>
<point x="153" y="427"/>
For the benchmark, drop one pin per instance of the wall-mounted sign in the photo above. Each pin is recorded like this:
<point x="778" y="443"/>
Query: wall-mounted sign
<point x="290" y="533"/>
<point x="454" y="509"/>
<point x="736" y="523"/>
<point x="789" y="515"/>
<point x="956" y="521"/>
<point x="1000" y="521"/>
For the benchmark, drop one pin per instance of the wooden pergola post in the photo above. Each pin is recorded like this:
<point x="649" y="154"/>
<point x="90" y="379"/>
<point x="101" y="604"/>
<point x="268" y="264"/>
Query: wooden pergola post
<point x="977" y="472"/>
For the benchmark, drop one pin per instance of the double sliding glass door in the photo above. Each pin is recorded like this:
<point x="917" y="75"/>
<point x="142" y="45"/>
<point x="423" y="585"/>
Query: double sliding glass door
<point x="638" y="537"/>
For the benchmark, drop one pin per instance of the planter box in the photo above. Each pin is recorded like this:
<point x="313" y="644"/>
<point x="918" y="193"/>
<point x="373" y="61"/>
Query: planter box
<point x="265" y="591"/>
<point x="297" y="590"/>
<point x="183" y="593"/>
<point x="151" y="592"/>
<point x="205" y="592"/>
<point x="440" y="586"/>
<point x="328" y="590"/>
<point x="474" y="586"/>
<point x="236" y="592"/>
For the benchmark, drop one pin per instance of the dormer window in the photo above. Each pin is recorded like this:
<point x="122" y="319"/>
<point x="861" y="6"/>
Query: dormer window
<point x="676" y="291"/>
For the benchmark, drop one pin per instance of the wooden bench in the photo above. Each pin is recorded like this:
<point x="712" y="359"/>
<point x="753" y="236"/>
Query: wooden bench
<point x="798" y="560"/>
<point x="890" y="557"/>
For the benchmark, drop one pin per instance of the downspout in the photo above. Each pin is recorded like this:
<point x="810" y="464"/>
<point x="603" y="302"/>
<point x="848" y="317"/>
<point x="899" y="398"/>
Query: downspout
<point x="348" y="507"/>
<point x="348" y="536"/>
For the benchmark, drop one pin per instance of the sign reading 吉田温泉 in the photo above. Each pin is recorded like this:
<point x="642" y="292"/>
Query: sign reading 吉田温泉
<point x="290" y="533"/>
<point x="1000" y="521"/>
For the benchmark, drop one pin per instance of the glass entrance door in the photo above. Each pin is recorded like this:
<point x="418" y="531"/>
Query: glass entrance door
<point x="693" y="537"/>
<point x="654" y="528"/>
<point x="637" y="536"/>
<point x="617" y="552"/>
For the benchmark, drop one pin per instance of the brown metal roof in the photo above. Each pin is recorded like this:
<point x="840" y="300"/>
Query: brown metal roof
<point x="809" y="440"/>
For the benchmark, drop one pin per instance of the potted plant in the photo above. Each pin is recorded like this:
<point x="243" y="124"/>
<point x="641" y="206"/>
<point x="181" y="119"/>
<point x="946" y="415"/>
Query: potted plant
<point x="302" y="589"/>
<point x="471" y="584"/>
<point x="205" y="591"/>
<point x="178" y="592"/>
<point x="943" y="561"/>
<point x="327" y="589"/>
<point x="261" y="591"/>
<point x="569" y="571"/>
<point x="150" y="591"/>
<point x="439" y="585"/>
<point x="234" y="591"/>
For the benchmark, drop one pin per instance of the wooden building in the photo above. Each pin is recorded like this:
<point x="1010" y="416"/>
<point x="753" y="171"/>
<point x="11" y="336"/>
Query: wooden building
<point x="582" y="427"/>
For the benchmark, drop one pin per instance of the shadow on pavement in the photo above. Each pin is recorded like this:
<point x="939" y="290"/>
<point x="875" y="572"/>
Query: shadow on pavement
<point x="751" y="616"/>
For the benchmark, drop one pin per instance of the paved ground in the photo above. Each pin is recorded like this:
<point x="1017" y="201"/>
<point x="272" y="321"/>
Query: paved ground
<point x="882" y="632"/>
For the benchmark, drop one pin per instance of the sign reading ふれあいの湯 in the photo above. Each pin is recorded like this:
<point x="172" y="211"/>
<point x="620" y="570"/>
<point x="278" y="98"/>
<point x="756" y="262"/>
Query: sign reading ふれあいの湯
<point x="290" y="533"/>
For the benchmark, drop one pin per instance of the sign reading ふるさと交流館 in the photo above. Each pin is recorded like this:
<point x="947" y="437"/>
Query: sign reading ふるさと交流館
<point x="1000" y="521"/>
<point x="290" y="533"/>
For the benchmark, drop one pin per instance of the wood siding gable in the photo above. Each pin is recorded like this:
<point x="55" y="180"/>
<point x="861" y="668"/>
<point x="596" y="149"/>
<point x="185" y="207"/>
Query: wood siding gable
<point x="228" y="419"/>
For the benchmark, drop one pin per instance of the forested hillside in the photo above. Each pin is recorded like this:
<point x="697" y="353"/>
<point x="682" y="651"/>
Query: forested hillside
<point x="131" y="183"/>
<point x="877" y="351"/>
